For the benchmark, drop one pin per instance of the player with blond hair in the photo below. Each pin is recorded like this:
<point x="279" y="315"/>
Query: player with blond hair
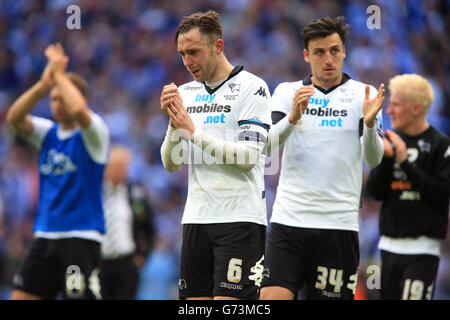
<point x="413" y="181"/>
<point x="328" y="123"/>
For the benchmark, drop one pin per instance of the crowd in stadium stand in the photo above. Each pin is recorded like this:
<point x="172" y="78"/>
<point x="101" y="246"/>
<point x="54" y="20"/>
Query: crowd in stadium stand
<point x="125" y="49"/>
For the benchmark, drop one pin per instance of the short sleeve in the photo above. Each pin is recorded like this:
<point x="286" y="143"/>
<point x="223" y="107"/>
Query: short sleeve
<point x="255" y="103"/>
<point x="96" y="139"/>
<point x="281" y="99"/>
<point x="41" y="127"/>
<point x="254" y="115"/>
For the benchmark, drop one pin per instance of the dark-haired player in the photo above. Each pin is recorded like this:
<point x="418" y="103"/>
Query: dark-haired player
<point x="327" y="123"/>
<point x="223" y="118"/>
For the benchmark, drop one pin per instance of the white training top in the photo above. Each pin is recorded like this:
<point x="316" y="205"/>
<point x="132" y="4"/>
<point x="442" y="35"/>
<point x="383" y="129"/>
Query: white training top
<point x="237" y="112"/>
<point x="118" y="240"/>
<point x="321" y="175"/>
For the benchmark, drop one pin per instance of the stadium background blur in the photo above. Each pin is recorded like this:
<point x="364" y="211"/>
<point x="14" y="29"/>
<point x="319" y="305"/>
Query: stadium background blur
<point x="125" y="49"/>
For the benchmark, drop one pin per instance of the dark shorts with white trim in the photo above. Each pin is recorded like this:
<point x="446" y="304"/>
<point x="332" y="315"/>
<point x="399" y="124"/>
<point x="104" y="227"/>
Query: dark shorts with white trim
<point x="322" y="263"/>
<point x="222" y="259"/>
<point x="69" y="267"/>
<point x="408" y="276"/>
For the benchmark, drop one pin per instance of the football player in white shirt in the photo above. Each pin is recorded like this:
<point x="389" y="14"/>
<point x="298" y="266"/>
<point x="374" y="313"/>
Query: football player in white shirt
<point x="328" y="124"/>
<point x="219" y="126"/>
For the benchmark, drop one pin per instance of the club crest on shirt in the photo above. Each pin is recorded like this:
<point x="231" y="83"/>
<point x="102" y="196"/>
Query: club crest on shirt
<point x="57" y="164"/>
<point x="424" y="146"/>
<point x="347" y="92"/>
<point x="234" y="87"/>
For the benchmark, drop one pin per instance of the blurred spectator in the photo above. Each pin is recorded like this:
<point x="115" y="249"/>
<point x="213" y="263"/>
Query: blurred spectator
<point x="129" y="229"/>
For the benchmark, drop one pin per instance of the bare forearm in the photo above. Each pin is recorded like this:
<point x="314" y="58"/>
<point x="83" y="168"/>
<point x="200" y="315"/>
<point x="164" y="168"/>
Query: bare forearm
<point x="25" y="103"/>
<point x="73" y="100"/>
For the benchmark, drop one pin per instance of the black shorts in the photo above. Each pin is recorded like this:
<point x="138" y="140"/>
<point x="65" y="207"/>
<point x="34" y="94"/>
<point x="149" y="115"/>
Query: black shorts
<point x="223" y="259"/>
<point x="408" y="276"/>
<point x="67" y="266"/>
<point x="119" y="278"/>
<point x="322" y="262"/>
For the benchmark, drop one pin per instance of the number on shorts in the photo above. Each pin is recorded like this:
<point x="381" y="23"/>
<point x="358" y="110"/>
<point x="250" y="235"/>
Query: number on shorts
<point x="234" y="273"/>
<point x="429" y="294"/>
<point x="322" y="277"/>
<point x="413" y="290"/>
<point x="334" y="278"/>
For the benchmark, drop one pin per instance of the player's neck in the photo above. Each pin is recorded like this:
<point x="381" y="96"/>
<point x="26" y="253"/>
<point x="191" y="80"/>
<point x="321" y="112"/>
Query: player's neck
<point x="417" y="128"/>
<point x="67" y="125"/>
<point x="223" y="70"/>
<point x="326" y="85"/>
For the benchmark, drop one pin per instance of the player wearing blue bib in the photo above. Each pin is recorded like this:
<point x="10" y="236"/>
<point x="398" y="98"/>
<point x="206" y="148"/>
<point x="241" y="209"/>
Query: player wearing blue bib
<point x="73" y="150"/>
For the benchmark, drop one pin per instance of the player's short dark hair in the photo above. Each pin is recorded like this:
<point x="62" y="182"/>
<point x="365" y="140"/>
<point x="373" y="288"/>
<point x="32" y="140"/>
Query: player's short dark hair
<point x="208" y="23"/>
<point x="324" y="27"/>
<point x="79" y="82"/>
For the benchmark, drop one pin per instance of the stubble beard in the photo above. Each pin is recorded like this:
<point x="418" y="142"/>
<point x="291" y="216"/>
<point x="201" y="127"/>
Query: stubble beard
<point x="328" y="80"/>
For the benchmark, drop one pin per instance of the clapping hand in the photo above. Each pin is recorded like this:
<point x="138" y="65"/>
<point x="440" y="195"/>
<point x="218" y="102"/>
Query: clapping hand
<point x="371" y="107"/>
<point x="57" y="59"/>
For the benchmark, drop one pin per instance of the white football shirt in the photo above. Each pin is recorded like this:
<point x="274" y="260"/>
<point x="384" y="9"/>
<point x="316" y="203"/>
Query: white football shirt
<point x="237" y="111"/>
<point x="321" y="175"/>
